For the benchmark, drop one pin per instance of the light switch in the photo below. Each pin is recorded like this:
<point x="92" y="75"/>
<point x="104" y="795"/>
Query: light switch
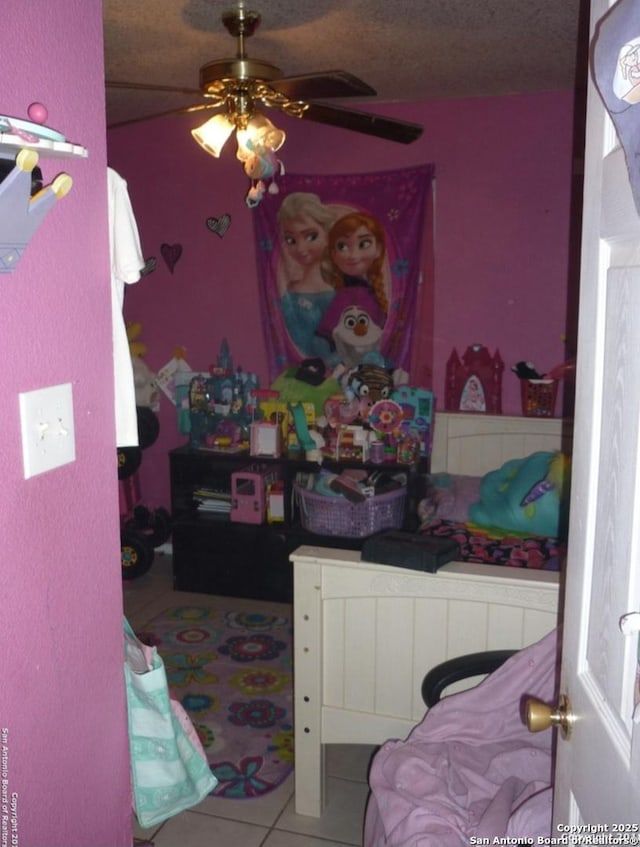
<point x="48" y="436"/>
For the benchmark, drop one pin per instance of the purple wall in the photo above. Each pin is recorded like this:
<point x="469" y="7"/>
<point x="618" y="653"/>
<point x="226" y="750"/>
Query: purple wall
<point x="503" y="183"/>
<point x="62" y="703"/>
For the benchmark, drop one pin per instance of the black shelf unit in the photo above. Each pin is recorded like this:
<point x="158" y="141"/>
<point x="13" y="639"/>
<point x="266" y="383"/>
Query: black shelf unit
<point x="214" y="555"/>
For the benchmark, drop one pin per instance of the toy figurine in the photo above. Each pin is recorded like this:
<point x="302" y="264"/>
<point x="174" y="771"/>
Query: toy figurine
<point x="262" y="164"/>
<point x="353" y="325"/>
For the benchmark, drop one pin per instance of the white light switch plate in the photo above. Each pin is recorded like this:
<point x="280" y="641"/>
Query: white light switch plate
<point x="48" y="436"/>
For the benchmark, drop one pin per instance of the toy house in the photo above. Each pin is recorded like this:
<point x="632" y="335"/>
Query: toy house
<point x="249" y="490"/>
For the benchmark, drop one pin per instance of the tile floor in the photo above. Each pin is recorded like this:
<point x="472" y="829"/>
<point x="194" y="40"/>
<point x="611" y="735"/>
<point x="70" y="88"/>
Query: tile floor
<point x="268" y="821"/>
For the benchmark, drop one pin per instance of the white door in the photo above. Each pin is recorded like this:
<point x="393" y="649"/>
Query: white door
<point x="597" y="778"/>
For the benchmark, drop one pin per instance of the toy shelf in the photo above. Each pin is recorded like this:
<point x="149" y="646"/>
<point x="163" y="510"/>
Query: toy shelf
<point x="214" y="555"/>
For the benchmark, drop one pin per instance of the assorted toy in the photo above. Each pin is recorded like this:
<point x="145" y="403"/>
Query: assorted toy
<point x="221" y="404"/>
<point x="365" y="417"/>
<point x="324" y="509"/>
<point x="250" y="491"/>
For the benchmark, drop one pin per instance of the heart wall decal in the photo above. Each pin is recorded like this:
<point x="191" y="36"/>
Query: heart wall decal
<point x="219" y="225"/>
<point x="171" y="253"/>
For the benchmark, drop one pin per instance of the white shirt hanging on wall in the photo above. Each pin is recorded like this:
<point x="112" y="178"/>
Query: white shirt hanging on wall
<point x="126" y="265"/>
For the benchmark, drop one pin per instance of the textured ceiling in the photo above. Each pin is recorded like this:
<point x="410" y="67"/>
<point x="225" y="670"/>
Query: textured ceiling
<point x="407" y="49"/>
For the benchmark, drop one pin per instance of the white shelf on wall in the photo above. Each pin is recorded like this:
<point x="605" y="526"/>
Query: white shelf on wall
<point x="61" y="149"/>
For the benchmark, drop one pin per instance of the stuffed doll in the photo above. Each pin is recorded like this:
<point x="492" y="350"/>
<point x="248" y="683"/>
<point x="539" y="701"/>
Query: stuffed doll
<point x="261" y="165"/>
<point x="369" y="383"/>
<point x="353" y="324"/>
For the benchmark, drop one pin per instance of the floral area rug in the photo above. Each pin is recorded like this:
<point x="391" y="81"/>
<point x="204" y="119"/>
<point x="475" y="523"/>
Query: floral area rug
<point x="232" y="673"/>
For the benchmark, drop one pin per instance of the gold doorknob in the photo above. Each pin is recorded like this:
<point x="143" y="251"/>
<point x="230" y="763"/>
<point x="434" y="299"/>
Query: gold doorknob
<point x="541" y="716"/>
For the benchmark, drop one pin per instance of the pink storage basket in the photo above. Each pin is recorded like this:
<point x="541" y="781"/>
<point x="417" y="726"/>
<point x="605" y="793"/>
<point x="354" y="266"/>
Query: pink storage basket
<point x="339" y="516"/>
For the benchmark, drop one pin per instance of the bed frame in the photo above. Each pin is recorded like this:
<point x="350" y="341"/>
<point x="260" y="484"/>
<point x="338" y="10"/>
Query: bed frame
<point x="366" y="634"/>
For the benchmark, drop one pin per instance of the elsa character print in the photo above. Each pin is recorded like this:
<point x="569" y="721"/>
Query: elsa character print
<point x="304" y="223"/>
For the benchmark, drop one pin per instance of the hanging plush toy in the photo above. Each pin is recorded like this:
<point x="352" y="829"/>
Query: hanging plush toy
<point x="260" y="166"/>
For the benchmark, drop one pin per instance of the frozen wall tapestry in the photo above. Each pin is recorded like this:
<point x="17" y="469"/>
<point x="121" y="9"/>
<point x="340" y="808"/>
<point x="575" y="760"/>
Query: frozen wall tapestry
<point x="339" y="265"/>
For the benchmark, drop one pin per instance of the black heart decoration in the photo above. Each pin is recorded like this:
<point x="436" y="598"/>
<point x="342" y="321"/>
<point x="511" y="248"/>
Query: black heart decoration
<point x="219" y="225"/>
<point x="171" y="253"/>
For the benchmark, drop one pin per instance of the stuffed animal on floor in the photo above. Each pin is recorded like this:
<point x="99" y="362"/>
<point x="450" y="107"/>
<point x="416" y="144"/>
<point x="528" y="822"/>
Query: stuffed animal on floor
<point x="527" y="496"/>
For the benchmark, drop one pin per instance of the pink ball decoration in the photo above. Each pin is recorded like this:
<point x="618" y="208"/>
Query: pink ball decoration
<point x="37" y="113"/>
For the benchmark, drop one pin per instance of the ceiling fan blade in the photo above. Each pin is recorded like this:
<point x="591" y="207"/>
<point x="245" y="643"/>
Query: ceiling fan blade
<point x="320" y="85"/>
<point x="142" y="86"/>
<point x="198" y="107"/>
<point x="382" y="127"/>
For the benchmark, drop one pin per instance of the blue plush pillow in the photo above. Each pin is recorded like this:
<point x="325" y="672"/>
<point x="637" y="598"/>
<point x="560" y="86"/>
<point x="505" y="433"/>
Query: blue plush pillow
<point x="526" y="496"/>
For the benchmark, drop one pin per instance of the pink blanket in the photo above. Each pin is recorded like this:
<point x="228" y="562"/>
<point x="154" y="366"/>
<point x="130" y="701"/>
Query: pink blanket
<point x="471" y="767"/>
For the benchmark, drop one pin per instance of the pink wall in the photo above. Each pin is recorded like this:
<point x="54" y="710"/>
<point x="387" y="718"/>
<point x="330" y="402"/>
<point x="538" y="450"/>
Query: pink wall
<point x="503" y="182"/>
<point x="62" y="704"/>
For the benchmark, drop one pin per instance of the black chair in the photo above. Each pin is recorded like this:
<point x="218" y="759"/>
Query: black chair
<point x="462" y="667"/>
<point x="476" y="732"/>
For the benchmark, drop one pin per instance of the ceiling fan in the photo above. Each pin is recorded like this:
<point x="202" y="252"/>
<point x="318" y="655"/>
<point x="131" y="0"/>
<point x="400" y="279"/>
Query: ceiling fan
<point x="240" y="84"/>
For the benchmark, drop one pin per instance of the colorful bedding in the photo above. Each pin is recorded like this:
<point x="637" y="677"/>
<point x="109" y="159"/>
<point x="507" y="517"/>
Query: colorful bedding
<point x="445" y="510"/>
<point x="536" y="552"/>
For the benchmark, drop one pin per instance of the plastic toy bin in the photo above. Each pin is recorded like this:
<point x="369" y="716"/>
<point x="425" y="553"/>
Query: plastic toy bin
<point x="338" y="516"/>
<point x="538" y="397"/>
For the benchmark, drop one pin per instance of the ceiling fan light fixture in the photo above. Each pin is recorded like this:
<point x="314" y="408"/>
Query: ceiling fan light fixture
<point x="213" y="134"/>
<point x="260" y="132"/>
<point x="235" y="85"/>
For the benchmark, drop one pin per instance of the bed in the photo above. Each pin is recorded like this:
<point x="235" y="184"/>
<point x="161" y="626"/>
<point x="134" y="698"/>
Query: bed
<point x="365" y="634"/>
